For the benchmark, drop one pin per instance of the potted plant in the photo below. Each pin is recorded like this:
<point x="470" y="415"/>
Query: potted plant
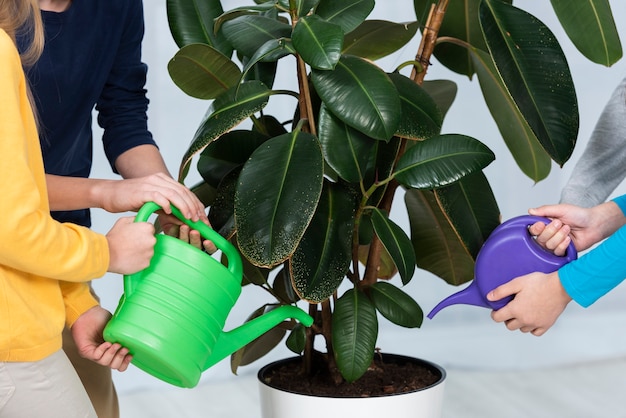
<point x="307" y="140"/>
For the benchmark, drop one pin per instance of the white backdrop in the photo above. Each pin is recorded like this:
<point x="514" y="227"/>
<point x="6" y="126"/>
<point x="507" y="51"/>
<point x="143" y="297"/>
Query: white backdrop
<point x="460" y="336"/>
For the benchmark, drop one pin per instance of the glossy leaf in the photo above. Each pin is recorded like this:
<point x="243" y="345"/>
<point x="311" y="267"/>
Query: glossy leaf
<point x="228" y="110"/>
<point x="348" y="14"/>
<point x="421" y="117"/>
<point x="471" y="208"/>
<point x="460" y="22"/>
<point x="395" y="305"/>
<point x="443" y="92"/>
<point x="441" y="160"/>
<point x="361" y="95"/>
<point x="278" y="190"/>
<point x="259" y="9"/>
<point x="270" y="51"/>
<point x="438" y="248"/>
<point x="318" y="42"/>
<point x="535" y="71"/>
<point x="528" y="153"/>
<point x="397" y="244"/>
<point x="249" y="32"/>
<point x="191" y="22"/>
<point x="346" y="150"/>
<point x="355" y="328"/>
<point x="282" y="288"/>
<point x="204" y="192"/>
<point x="221" y="213"/>
<point x="374" y="39"/>
<point x="319" y="264"/>
<point x="231" y="151"/>
<point x="591" y="27"/>
<point x="297" y="339"/>
<point x="251" y="273"/>
<point x="202" y="71"/>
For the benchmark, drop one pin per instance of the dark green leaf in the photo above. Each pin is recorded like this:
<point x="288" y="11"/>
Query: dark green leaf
<point x="232" y="150"/>
<point x="203" y="72"/>
<point x="591" y="27"/>
<point x="346" y="150"/>
<point x="471" y="208"/>
<point x="261" y="9"/>
<point x="228" y="110"/>
<point x="270" y="51"/>
<point x="282" y="287"/>
<point x="297" y="339"/>
<point x="318" y="42"/>
<point x="396" y="306"/>
<point x="519" y="138"/>
<point x="276" y="197"/>
<point x="191" y="22"/>
<point x="265" y="72"/>
<point x="361" y="95"/>
<point x="348" y="14"/>
<point x="535" y="71"/>
<point x="441" y="160"/>
<point x="321" y="261"/>
<point x="374" y="39"/>
<point x="421" y="117"/>
<point x="355" y="329"/>
<point x="438" y="248"/>
<point x="204" y="192"/>
<point x="221" y="213"/>
<point x="397" y="244"/>
<point x="443" y="92"/>
<point x="249" y="32"/>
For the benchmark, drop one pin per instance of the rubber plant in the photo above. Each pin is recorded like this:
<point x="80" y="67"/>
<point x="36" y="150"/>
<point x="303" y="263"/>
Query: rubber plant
<point x="307" y="140"/>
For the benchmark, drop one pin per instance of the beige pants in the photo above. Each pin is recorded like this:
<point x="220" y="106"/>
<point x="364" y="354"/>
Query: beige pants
<point x="47" y="388"/>
<point x="97" y="380"/>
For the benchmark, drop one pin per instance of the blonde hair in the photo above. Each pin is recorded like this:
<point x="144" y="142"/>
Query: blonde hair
<point x="22" y="17"/>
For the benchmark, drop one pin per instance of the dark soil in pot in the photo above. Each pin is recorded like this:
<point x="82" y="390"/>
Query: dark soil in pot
<point x="389" y="374"/>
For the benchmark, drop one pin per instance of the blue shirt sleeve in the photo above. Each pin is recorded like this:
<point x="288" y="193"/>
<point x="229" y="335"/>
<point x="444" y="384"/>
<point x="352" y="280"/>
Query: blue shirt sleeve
<point x="621" y="202"/>
<point x="123" y="104"/>
<point x="598" y="271"/>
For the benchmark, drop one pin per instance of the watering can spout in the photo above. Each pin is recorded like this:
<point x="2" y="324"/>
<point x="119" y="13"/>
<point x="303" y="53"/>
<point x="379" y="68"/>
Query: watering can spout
<point x="468" y="296"/>
<point x="231" y="341"/>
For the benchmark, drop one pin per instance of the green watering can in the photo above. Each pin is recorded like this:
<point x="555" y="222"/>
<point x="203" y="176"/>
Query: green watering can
<point x="172" y="313"/>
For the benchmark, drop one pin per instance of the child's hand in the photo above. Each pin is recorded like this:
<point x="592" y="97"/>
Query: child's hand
<point x="131" y="246"/>
<point x="87" y="333"/>
<point x="539" y="300"/>
<point x="553" y="236"/>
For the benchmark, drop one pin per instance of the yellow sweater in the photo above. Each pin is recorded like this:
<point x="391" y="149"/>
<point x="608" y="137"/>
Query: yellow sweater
<point x="43" y="264"/>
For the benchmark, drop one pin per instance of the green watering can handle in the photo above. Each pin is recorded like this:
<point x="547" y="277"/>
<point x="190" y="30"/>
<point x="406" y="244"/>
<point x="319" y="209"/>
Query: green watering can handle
<point x="234" y="261"/>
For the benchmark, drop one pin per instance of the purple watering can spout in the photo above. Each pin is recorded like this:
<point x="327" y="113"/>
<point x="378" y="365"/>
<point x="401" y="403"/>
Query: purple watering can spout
<point x="468" y="296"/>
<point x="509" y="252"/>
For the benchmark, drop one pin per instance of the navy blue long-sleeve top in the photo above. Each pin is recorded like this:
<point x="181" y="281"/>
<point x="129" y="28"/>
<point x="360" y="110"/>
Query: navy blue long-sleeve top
<point x="92" y="58"/>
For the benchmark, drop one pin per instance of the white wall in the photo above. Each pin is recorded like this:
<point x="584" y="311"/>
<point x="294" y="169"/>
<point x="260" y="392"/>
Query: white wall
<point x="460" y="336"/>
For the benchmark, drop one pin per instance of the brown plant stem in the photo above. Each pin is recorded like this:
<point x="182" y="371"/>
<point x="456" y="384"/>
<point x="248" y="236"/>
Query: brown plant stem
<point x="424" y="52"/>
<point x="429" y="40"/>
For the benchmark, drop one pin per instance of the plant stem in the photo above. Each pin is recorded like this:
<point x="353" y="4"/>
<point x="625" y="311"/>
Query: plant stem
<point x="429" y="39"/>
<point x="304" y="100"/>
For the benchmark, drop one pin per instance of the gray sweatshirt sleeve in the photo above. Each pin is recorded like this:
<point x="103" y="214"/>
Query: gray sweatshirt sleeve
<point x="602" y="166"/>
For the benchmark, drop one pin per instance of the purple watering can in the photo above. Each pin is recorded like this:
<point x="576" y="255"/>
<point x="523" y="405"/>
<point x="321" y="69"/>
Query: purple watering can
<point x="509" y="252"/>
